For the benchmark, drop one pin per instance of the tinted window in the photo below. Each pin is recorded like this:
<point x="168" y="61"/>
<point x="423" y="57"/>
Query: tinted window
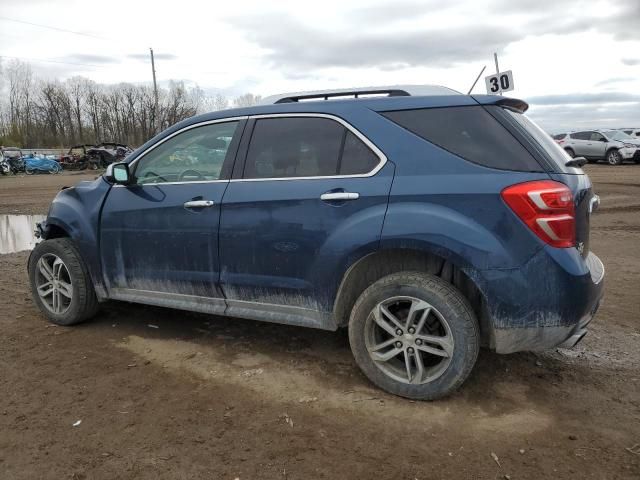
<point x="597" y="137"/>
<point x="194" y="155"/>
<point x="469" y="132"/>
<point x="554" y="152"/>
<point x="559" y="136"/>
<point x="305" y="147"/>
<point x="357" y="158"/>
<point x="581" y="135"/>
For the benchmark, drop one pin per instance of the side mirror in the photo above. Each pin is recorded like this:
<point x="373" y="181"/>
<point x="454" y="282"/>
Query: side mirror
<point x="118" y="173"/>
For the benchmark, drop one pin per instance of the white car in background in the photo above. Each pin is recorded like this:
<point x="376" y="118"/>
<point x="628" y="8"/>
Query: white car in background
<point x="614" y="146"/>
<point x="632" y="132"/>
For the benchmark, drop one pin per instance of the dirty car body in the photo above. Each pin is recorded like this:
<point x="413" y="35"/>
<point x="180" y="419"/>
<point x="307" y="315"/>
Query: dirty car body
<point x="256" y="238"/>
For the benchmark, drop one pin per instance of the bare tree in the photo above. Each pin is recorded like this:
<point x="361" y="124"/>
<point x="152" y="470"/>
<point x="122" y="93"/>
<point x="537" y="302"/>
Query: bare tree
<point x="39" y="113"/>
<point x="246" y="100"/>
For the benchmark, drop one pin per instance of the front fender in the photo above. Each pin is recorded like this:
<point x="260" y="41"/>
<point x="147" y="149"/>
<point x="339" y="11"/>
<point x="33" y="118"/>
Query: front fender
<point x="76" y="211"/>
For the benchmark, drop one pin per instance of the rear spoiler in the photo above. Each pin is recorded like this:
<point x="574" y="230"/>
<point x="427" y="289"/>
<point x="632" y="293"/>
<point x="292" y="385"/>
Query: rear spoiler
<point x="513" y="103"/>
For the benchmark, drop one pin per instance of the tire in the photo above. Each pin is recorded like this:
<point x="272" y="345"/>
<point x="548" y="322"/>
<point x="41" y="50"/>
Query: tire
<point x="614" y="157"/>
<point x="72" y="281"/>
<point x="29" y="171"/>
<point x="570" y="151"/>
<point x="450" y="319"/>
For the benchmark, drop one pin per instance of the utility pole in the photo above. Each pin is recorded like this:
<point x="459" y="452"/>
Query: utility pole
<point x="155" y="93"/>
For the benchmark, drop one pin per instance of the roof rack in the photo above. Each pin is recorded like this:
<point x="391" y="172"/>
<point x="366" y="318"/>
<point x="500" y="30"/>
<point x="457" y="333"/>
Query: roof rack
<point x="363" y="92"/>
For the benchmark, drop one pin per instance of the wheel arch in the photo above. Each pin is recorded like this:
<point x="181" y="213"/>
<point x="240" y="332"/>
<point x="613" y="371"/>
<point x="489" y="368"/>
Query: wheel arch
<point x="372" y="267"/>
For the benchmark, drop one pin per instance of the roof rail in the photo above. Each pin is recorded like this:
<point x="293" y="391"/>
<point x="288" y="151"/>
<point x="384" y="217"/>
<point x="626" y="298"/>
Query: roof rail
<point x="353" y="93"/>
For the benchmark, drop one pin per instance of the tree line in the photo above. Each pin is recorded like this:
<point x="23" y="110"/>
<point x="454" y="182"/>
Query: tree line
<point x="37" y="112"/>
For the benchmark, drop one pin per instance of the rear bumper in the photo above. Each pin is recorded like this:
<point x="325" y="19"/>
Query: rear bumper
<point x="546" y="304"/>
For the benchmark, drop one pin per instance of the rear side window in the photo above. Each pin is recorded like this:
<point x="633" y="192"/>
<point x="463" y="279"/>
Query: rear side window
<point x="469" y="132"/>
<point x="581" y="135"/>
<point x="289" y="147"/>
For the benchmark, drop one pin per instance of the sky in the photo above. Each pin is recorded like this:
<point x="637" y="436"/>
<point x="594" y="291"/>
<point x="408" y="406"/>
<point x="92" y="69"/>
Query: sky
<point x="576" y="62"/>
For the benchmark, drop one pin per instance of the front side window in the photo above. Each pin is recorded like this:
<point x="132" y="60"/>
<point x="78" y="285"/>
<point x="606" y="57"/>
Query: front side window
<point x="197" y="154"/>
<point x="597" y="137"/>
<point x="289" y="147"/>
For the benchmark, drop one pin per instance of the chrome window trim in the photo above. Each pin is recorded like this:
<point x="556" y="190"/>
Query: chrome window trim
<point x="168" y="137"/>
<point x="344" y="123"/>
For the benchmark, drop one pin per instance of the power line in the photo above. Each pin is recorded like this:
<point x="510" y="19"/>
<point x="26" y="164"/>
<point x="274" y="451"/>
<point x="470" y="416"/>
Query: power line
<point x="53" y="61"/>
<point x="54" y="28"/>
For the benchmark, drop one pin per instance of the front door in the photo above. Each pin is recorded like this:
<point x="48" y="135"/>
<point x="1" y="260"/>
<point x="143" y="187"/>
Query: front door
<point x="312" y="193"/>
<point x="159" y="235"/>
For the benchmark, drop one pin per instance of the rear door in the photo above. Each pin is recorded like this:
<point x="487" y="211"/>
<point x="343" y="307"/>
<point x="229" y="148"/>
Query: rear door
<point x="159" y="235"/>
<point x="598" y="145"/>
<point x="312" y="191"/>
<point x="579" y="143"/>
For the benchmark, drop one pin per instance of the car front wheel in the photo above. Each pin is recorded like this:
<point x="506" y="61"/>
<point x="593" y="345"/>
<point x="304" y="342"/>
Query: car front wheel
<point x="60" y="283"/>
<point x="614" y="157"/>
<point x="414" y="335"/>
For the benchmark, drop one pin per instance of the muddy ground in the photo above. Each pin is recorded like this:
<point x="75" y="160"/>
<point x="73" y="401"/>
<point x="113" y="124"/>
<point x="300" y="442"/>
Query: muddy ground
<point x="167" y="394"/>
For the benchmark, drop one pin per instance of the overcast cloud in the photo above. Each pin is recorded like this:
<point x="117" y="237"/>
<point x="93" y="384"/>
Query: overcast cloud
<point x="575" y="61"/>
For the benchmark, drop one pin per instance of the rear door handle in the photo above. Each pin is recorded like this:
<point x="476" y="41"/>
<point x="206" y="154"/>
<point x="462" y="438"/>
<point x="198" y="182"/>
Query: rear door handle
<point x="339" y="196"/>
<point x="198" y="204"/>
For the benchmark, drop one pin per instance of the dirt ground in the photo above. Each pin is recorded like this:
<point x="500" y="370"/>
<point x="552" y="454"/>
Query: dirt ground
<point x="163" y="394"/>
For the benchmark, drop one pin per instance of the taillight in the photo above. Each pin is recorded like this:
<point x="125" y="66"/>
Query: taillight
<point x="547" y="209"/>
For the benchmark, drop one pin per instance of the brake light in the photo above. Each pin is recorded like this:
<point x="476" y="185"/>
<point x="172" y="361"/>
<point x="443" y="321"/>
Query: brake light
<point x="547" y="208"/>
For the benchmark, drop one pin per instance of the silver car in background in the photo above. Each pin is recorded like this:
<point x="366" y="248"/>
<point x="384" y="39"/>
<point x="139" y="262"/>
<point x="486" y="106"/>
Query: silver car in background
<point x="614" y="146"/>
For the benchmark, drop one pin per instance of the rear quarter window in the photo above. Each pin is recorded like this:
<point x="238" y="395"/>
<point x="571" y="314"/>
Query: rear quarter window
<point x="469" y="132"/>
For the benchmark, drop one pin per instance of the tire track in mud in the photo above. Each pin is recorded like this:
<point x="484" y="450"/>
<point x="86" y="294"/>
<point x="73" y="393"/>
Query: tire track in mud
<point x="306" y="383"/>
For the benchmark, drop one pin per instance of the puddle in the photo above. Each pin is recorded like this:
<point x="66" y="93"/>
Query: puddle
<point x="16" y="232"/>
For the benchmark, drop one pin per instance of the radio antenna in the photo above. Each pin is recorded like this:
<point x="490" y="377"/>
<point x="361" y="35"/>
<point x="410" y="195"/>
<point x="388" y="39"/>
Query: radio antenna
<point x="477" y="78"/>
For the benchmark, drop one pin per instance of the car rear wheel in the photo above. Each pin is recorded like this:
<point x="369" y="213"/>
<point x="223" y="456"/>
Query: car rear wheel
<point x="570" y="151"/>
<point x="414" y="335"/>
<point x="60" y="283"/>
<point x="614" y="157"/>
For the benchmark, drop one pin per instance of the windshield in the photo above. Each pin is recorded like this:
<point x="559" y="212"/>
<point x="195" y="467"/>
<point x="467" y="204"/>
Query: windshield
<point x="553" y="150"/>
<point x="617" y="135"/>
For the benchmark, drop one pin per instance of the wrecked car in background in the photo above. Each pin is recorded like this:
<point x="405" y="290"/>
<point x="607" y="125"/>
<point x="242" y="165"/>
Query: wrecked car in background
<point x="106" y="153"/>
<point x="13" y="159"/>
<point x="76" y="158"/>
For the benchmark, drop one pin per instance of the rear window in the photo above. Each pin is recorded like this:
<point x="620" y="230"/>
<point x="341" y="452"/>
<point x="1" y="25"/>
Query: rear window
<point x="559" y="136"/>
<point x="469" y="132"/>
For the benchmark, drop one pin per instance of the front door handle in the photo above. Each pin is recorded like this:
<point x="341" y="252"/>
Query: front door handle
<point x="339" y="196"/>
<point x="198" y="204"/>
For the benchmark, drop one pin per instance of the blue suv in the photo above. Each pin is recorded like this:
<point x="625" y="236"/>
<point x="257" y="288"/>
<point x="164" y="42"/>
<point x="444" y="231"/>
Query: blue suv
<point x="427" y="222"/>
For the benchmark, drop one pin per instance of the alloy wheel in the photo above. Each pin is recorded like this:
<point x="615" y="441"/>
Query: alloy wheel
<point x="409" y="340"/>
<point x="54" y="283"/>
